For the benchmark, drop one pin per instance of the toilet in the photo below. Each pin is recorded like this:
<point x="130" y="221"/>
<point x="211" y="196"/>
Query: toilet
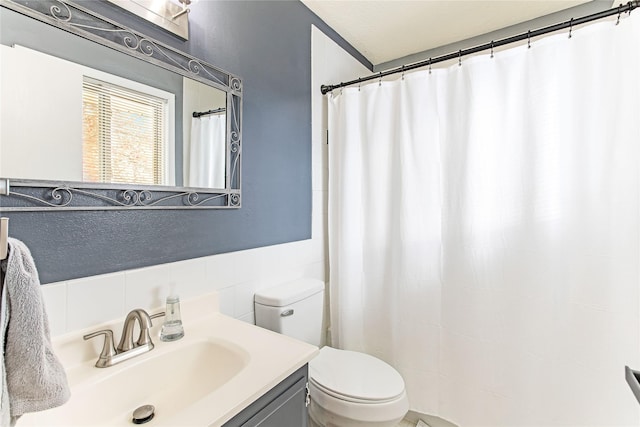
<point x="346" y="388"/>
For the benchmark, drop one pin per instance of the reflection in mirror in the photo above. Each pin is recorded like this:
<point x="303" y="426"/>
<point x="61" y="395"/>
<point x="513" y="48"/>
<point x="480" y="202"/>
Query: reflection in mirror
<point x="105" y="128"/>
<point x="204" y="142"/>
<point x="125" y="134"/>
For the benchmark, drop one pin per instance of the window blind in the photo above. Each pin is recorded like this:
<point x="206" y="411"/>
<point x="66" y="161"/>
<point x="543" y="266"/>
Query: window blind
<point x="124" y="134"/>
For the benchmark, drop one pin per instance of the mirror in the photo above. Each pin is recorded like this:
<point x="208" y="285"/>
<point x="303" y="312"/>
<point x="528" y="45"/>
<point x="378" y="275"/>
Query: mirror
<point x="107" y="128"/>
<point x="115" y="128"/>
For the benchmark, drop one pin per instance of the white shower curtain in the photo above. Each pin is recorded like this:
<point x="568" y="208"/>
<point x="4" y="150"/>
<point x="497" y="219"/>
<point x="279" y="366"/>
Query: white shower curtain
<point x="207" y="153"/>
<point x="484" y="230"/>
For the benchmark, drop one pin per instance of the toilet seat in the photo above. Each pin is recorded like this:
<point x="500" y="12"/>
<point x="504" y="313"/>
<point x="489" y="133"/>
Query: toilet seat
<point x="350" y="399"/>
<point x="355" y="377"/>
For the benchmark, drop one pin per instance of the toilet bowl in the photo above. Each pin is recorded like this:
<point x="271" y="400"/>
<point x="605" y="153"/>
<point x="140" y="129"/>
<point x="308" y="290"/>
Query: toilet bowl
<point x="346" y="388"/>
<point x="349" y="388"/>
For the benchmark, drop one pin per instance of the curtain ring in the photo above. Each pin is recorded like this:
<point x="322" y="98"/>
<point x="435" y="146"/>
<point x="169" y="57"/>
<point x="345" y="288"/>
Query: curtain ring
<point x="529" y="39"/>
<point x="570" y="27"/>
<point x="429" y="65"/>
<point x="403" y="72"/>
<point x="460" y="58"/>
<point x="619" y="13"/>
<point x="492" y="48"/>
<point x="380" y="79"/>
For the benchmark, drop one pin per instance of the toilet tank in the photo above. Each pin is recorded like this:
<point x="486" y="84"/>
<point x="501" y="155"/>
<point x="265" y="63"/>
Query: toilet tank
<point x="293" y="309"/>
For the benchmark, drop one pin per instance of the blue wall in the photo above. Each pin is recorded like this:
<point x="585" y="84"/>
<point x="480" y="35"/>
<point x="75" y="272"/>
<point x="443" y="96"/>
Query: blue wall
<point x="268" y="44"/>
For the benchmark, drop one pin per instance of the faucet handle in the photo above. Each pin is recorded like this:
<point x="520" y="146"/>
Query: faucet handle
<point x="108" y="350"/>
<point x="155" y="316"/>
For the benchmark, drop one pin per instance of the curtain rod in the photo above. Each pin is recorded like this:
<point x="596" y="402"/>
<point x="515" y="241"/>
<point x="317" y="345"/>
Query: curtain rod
<point x="204" y="113"/>
<point x="491" y="45"/>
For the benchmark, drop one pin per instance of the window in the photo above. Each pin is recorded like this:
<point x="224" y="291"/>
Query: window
<point x="124" y="135"/>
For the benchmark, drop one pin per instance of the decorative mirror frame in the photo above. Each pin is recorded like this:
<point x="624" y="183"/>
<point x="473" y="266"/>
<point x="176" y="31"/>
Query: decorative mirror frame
<point x="37" y="195"/>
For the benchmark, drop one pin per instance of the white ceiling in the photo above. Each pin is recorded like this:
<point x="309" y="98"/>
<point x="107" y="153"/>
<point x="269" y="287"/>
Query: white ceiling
<point x="385" y="30"/>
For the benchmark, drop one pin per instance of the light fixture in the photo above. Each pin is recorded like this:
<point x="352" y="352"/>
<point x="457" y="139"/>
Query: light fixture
<point x="185" y="8"/>
<point x="171" y="15"/>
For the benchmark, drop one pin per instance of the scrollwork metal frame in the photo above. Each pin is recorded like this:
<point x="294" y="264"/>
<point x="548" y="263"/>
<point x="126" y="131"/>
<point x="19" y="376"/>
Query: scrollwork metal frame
<point x="64" y="196"/>
<point x="36" y="195"/>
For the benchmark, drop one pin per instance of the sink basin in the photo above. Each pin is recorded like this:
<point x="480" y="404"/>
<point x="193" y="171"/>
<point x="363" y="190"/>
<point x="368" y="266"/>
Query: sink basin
<point x="168" y="378"/>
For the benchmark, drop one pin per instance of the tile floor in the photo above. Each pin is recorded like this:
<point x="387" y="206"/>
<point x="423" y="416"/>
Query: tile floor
<point x="406" y="423"/>
<point x="412" y="417"/>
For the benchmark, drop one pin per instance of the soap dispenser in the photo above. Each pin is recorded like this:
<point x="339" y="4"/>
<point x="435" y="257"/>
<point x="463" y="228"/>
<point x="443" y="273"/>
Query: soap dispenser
<point x="172" y="329"/>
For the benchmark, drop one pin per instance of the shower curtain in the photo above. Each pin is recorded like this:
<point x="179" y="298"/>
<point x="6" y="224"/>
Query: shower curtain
<point x="207" y="153"/>
<point x="484" y="230"/>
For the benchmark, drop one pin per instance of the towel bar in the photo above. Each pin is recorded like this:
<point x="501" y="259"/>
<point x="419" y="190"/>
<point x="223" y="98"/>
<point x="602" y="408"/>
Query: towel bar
<point x="632" y="378"/>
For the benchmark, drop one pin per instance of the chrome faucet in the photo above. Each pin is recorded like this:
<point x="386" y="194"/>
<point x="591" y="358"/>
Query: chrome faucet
<point x="127" y="348"/>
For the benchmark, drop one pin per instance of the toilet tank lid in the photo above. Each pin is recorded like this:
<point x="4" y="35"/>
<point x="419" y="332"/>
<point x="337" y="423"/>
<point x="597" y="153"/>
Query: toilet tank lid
<point x="289" y="293"/>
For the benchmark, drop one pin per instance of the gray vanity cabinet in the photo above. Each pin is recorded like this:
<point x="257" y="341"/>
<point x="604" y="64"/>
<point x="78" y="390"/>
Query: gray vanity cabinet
<point x="282" y="406"/>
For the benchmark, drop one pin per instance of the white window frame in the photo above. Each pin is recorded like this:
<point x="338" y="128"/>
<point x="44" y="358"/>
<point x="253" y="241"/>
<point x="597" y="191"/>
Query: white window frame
<point x="170" y="114"/>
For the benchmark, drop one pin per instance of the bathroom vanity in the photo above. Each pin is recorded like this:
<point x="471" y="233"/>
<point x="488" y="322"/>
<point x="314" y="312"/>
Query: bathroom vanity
<point x="224" y="372"/>
<point x="283" y="405"/>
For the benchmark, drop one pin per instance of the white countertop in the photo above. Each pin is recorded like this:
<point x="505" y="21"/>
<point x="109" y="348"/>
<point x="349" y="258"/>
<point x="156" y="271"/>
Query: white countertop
<point x="264" y="358"/>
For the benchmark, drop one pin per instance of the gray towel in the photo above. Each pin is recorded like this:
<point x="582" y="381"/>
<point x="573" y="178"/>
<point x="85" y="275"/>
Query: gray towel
<point x="33" y="378"/>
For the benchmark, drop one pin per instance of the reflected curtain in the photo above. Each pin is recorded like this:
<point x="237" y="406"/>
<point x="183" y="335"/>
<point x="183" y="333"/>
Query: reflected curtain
<point x="208" y="151"/>
<point x="483" y="230"/>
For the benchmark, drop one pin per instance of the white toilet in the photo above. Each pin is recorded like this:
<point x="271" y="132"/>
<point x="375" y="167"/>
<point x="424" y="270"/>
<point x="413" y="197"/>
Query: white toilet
<point x="347" y="388"/>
